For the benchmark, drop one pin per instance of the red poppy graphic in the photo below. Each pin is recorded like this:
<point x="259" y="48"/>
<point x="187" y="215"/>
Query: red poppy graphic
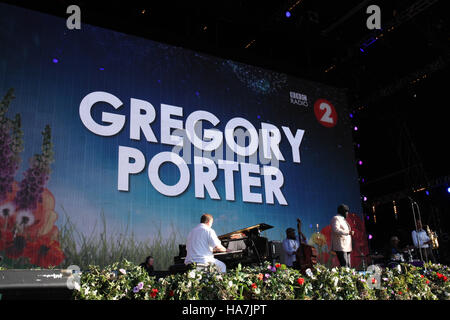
<point x="6" y="238"/>
<point x="328" y="258"/>
<point x="16" y="247"/>
<point x="44" y="252"/>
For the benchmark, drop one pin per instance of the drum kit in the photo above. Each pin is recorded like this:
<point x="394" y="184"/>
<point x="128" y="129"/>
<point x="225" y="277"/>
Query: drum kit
<point x="413" y="255"/>
<point x="379" y="260"/>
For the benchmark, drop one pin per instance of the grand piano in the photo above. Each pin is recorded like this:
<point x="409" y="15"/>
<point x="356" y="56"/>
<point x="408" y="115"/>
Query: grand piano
<point x="245" y="246"/>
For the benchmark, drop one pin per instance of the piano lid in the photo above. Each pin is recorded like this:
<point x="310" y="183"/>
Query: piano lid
<point x="259" y="227"/>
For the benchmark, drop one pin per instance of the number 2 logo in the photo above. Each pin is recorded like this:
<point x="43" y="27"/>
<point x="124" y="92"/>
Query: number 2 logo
<point x="325" y="113"/>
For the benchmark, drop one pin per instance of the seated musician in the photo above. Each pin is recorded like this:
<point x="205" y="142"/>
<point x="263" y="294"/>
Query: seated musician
<point x="291" y="244"/>
<point x="394" y="254"/>
<point x="202" y="241"/>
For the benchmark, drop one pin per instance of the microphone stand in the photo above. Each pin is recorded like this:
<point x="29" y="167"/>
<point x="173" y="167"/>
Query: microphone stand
<point x="414" y="207"/>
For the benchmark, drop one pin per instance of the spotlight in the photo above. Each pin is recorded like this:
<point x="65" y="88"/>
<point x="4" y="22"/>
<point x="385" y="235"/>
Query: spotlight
<point x="355" y="128"/>
<point x="370" y="237"/>
<point x="365" y="198"/>
<point x="288" y="14"/>
<point x="427" y="193"/>
<point x="55" y="60"/>
<point x="351" y="115"/>
<point x="360" y="162"/>
<point x="448" y="189"/>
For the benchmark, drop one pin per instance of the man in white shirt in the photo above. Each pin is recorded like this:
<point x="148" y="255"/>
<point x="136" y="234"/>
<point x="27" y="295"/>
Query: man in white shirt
<point x="291" y="244"/>
<point x="341" y="236"/>
<point x="422" y="242"/>
<point x="202" y="241"/>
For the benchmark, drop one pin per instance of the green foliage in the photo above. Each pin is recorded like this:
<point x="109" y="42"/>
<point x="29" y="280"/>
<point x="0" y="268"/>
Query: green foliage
<point x="264" y="282"/>
<point x="106" y="246"/>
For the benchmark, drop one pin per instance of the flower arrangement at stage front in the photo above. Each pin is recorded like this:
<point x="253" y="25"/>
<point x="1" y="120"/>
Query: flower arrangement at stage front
<point x="265" y="281"/>
<point x="28" y="235"/>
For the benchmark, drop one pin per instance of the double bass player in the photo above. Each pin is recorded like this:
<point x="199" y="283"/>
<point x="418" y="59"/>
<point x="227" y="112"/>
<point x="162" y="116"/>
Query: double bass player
<point x="292" y="243"/>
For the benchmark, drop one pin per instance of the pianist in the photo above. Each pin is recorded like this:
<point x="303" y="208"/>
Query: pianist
<point x="202" y="241"/>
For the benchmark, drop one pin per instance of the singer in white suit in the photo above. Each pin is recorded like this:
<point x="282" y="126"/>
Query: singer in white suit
<point x="341" y="236"/>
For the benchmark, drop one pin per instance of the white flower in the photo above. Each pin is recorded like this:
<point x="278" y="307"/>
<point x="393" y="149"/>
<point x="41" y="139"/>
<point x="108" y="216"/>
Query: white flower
<point x="336" y="280"/>
<point x="7" y="209"/>
<point x="123" y="271"/>
<point x="309" y="273"/>
<point x="230" y="283"/>
<point x="25" y="218"/>
<point x="191" y="274"/>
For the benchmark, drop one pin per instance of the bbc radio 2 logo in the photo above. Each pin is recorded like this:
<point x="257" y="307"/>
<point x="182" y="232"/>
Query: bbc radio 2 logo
<point x="298" y="98"/>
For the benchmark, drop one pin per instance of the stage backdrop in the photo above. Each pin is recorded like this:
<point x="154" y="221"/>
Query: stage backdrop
<point x="113" y="146"/>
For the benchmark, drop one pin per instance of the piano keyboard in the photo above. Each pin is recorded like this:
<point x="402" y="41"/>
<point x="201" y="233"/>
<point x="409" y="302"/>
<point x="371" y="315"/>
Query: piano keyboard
<point x="227" y="252"/>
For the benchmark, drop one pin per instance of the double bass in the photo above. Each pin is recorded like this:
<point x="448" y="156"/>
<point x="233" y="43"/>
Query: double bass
<point x="306" y="255"/>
